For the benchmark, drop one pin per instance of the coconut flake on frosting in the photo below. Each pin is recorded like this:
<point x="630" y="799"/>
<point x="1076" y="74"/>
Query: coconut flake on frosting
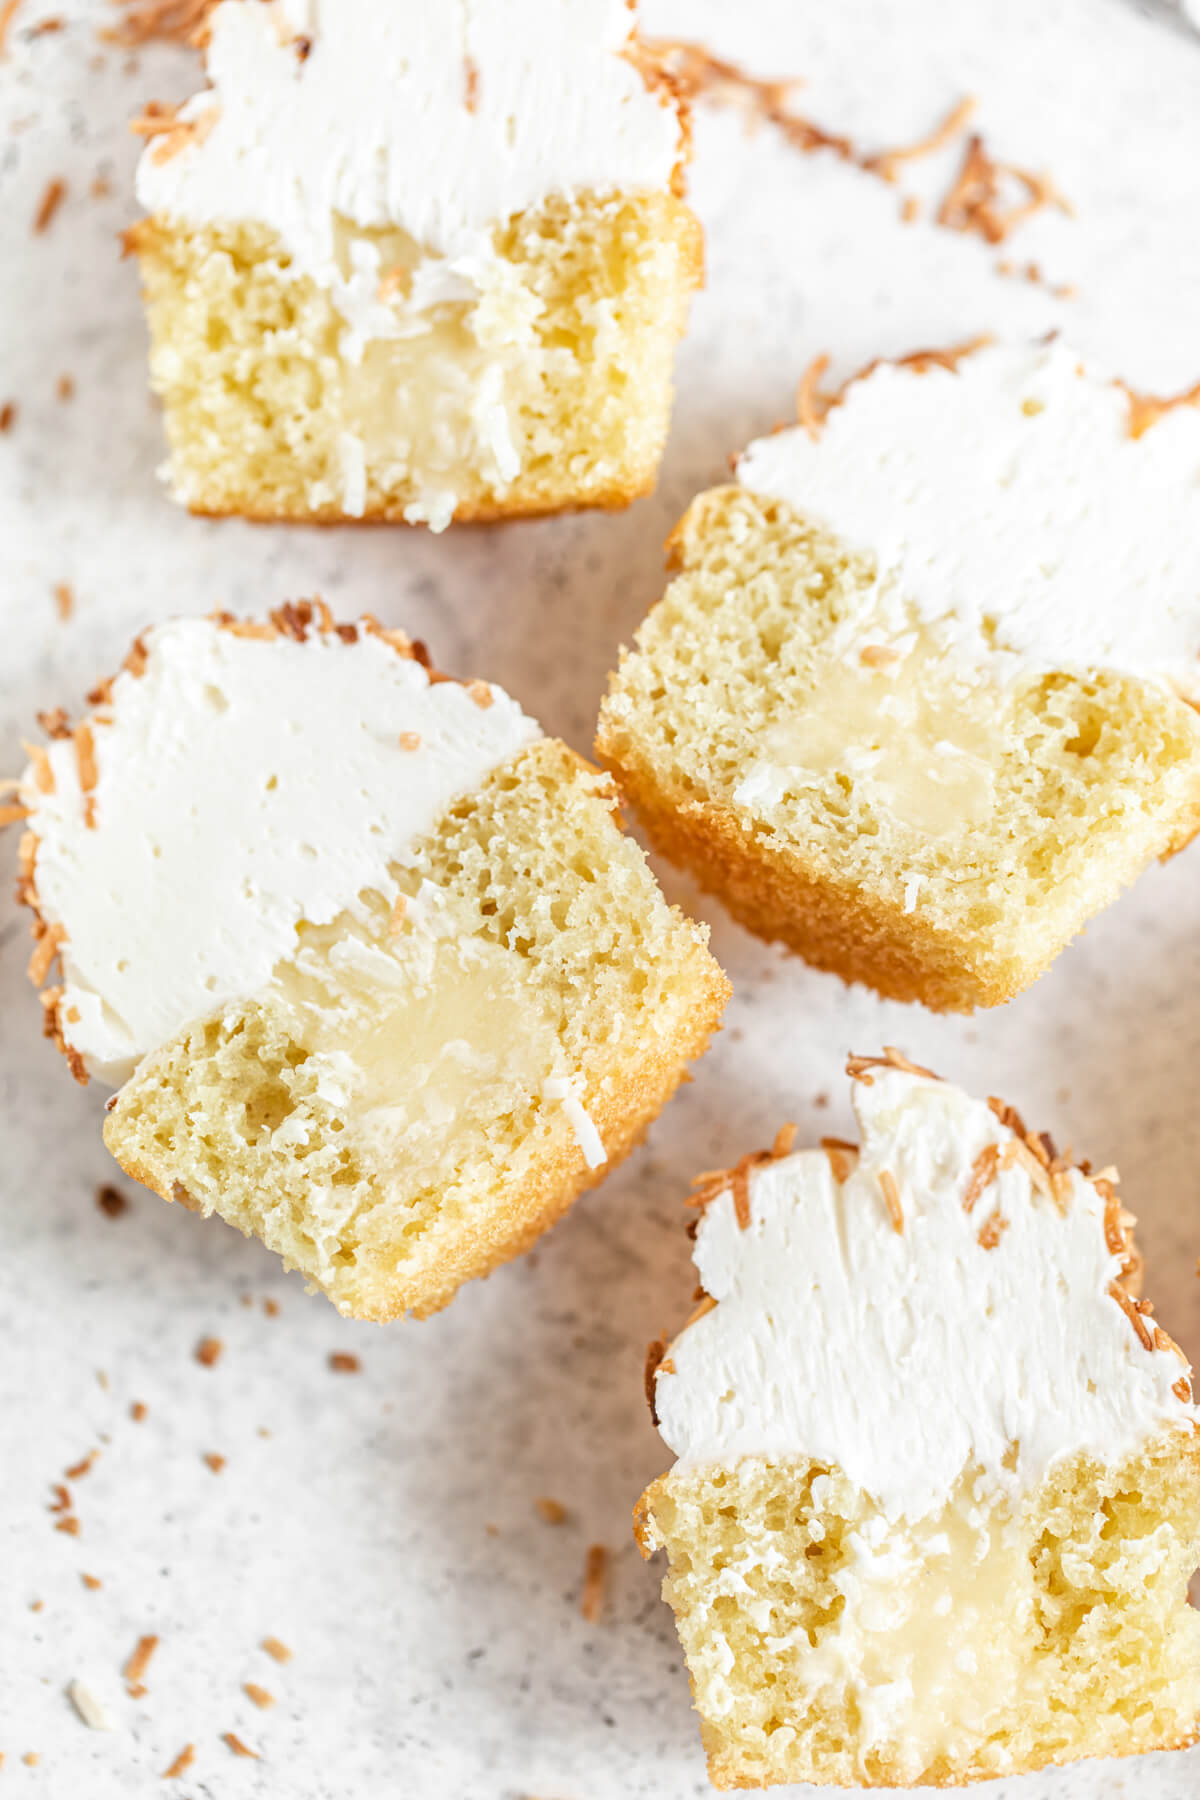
<point x="439" y="119"/>
<point x="1008" y="503"/>
<point x="988" y="1329"/>
<point x="233" y="786"/>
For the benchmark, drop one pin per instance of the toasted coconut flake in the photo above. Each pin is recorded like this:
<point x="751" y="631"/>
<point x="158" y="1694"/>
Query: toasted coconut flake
<point x="139" y="1659"/>
<point x="842" y="1155"/>
<point x="811" y="404"/>
<point x="343" y="1362"/>
<point x="886" y="162"/>
<point x="173" y="21"/>
<point x="712" y="1183"/>
<point x="481" y="694"/>
<point x="741" y="1195"/>
<point x="879" y="656"/>
<point x="258" y="629"/>
<point x="55" y="723"/>
<point x="182" y="1763"/>
<point x="992" y="1230"/>
<point x="277" y="1649"/>
<point x="655" y="1355"/>
<point x="52" y="198"/>
<point x="236" y="1745"/>
<point x="50" y="939"/>
<point x="1130" y="1309"/>
<point x="208" y="1351"/>
<point x="470" y="84"/>
<point x="858" y="1067"/>
<point x="43" y="774"/>
<point x="701" y="75"/>
<point x="1007" y="1115"/>
<point x="173" y="134"/>
<point x="64" y="600"/>
<point x="891" y="1199"/>
<point x="8" y="12"/>
<point x="983" y="1172"/>
<point x="409" y="740"/>
<point x="135" y="662"/>
<point x="91" y="1582"/>
<point x="85" y="757"/>
<point x="974" y="204"/>
<point x="1146" y="410"/>
<point x="215" y="1461"/>
<point x="552" y="1511"/>
<point x="293" y="620"/>
<point x="396" y="920"/>
<point x="595" y="1583"/>
<point x="69" y="1525"/>
<point x="261" y="1696"/>
<point x="83" y="1467"/>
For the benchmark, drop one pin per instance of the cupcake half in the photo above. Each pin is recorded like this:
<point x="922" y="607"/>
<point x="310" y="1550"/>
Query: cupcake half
<point x="417" y="262"/>
<point x="937" y="1499"/>
<point x="374" y="970"/>
<point x="921" y="698"/>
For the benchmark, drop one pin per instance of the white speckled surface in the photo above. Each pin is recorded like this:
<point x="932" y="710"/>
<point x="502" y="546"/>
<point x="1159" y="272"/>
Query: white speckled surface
<point x="385" y="1527"/>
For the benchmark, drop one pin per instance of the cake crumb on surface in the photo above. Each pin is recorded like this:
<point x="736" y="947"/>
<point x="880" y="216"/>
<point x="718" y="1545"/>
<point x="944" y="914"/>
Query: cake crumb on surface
<point x="216" y="1462"/>
<point x="344" y="1362"/>
<point x="111" y="1201"/>
<point x="208" y="1351"/>
<point x="553" y="1511"/>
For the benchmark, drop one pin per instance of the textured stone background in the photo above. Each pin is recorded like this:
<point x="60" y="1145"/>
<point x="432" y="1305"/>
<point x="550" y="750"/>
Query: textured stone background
<point x="382" y="1523"/>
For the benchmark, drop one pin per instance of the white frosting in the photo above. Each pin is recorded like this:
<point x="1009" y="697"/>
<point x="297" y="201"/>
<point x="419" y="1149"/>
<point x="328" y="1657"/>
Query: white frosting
<point x="373" y="126"/>
<point x="1009" y="506"/>
<point x="907" y="1357"/>
<point x="243" y="786"/>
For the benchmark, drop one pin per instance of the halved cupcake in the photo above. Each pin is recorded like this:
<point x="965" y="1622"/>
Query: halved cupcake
<point x="937" y="1499"/>
<point x="417" y="263"/>
<point x="380" y="978"/>
<point x="921" y="698"/>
